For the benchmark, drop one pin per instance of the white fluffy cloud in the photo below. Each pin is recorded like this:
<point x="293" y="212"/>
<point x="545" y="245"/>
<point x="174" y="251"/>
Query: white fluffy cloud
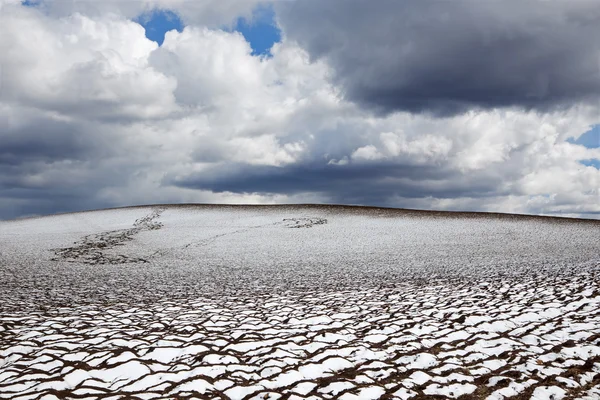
<point x="81" y="67"/>
<point x="212" y="13"/>
<point x="93" y="114"/>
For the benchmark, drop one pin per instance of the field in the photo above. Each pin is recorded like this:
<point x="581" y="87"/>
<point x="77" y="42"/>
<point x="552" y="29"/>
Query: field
<point x="293" y="302"/>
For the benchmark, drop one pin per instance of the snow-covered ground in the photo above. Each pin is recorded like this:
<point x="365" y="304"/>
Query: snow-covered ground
<point x="298" y="302"/>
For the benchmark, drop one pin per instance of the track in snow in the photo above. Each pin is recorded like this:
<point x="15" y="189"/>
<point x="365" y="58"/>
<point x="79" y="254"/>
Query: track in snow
<point x="228" y="302"/>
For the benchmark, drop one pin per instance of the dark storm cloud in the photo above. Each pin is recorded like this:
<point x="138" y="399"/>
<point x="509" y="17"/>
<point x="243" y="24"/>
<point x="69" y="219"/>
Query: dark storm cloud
<point x="47" y="164"/>
<point x="374" y="184"/>
<point x="41" y="139"/>
<point x="32" y="202"/>
<point x="35" y="189"/>
<point x="449" y="56"/>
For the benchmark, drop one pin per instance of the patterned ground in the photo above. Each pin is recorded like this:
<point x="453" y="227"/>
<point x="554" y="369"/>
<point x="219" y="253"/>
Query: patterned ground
<point x="497" y="335"/>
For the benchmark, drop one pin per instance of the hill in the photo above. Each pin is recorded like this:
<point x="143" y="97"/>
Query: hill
<point x="298" y="301"/>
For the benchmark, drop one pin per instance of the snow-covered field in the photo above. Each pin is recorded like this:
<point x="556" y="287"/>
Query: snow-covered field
<point x="298" y="302"/>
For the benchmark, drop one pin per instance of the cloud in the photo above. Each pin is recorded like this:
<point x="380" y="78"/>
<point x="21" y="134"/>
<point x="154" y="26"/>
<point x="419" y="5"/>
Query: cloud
<point x="447" y="57"/>
<point x="483" y="160"/>
<point x="355" y="184"/>
<point x="81" y="67"/>
<point x="93" y="114"/>
<point x="211" y="13"/>
<point x="214" y="64"/>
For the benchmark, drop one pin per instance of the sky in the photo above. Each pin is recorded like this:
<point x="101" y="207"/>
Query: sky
<point x="470" y="105"/>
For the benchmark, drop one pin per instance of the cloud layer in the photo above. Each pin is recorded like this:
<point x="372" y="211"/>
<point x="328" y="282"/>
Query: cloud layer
<point x="352" y="107"/>
<point x="448" y="57"/>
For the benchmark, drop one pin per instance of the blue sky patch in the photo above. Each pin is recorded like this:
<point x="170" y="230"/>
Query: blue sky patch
<point x="590" y="139"/>
<point x="260" y="31"/>
<point x="592" y="162"/>
<point x="158" y="22"/>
